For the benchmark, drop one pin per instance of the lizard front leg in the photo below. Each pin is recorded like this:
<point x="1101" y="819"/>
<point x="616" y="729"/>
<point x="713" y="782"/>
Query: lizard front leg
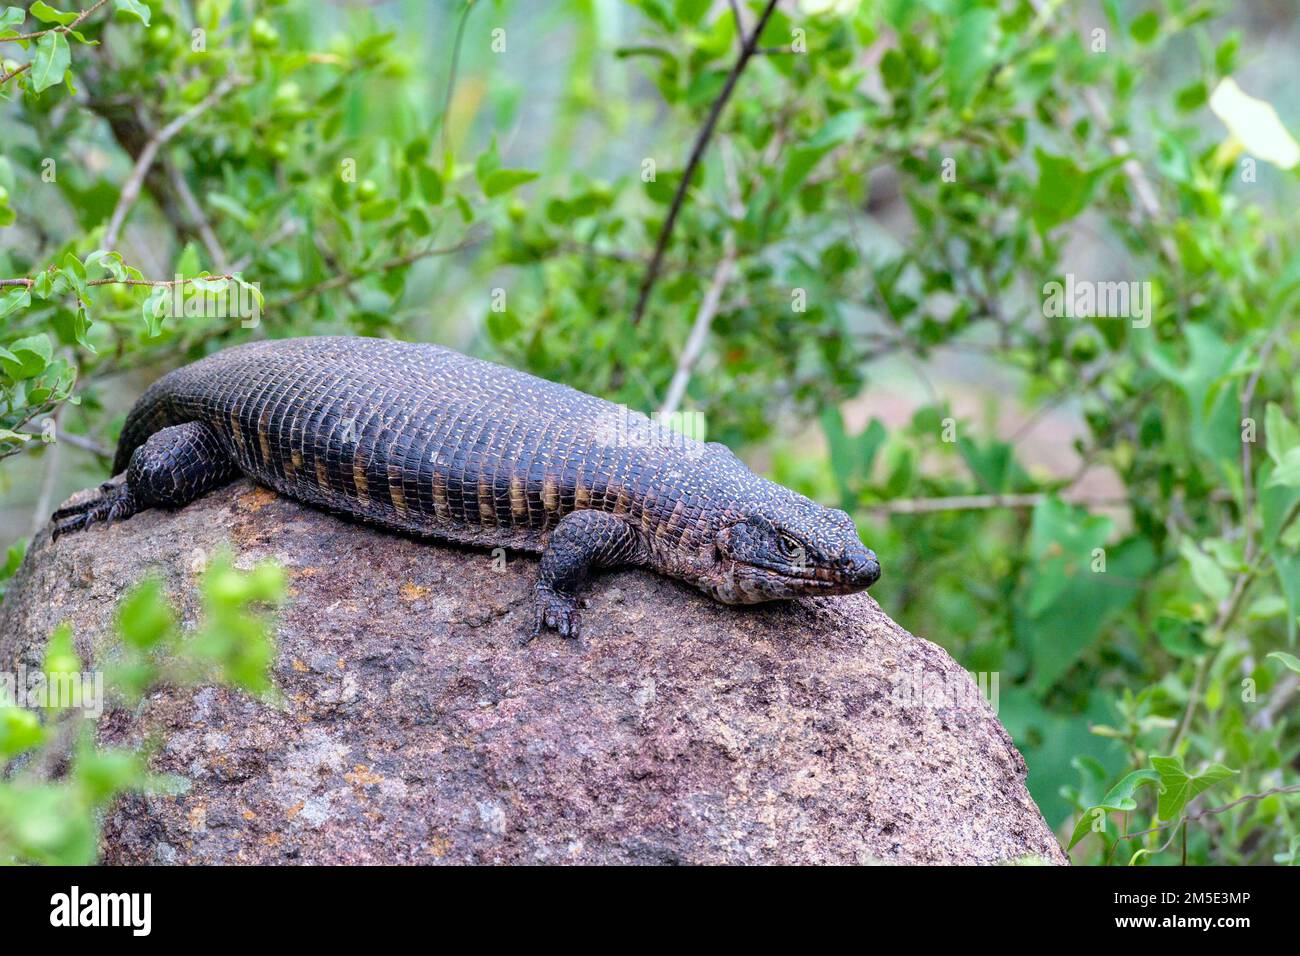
<point x="172" y="468"/>
<point x="582" y="541"/>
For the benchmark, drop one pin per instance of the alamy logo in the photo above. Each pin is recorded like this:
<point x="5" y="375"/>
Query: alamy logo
<point x="1084" y="299"/>
<point x="625" y="428"/>
<point x="134" y="910"/>
<point x="37" y="690"/>
<point x="935" y="690"/>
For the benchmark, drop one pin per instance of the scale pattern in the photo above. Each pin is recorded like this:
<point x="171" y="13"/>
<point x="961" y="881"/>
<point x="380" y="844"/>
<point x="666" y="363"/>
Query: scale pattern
<point x="426" y="441"/>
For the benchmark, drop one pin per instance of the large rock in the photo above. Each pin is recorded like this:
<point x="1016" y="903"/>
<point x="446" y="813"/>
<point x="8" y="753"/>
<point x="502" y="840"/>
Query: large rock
<point x="414" y="728"/>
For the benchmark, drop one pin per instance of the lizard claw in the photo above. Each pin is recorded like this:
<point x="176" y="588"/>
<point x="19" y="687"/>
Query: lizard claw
<point x="114" y="501"/>
<point x="556" y="610"/>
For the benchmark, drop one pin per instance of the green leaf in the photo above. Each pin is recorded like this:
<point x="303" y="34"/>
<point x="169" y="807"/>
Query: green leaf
<point x="154" y="309"/>
<point x="1143" y="28"/>
<point x="144" y="617"/>
<point x="970" y="54"/>
<point x="47" y="823"/>
<point x="1287" y="567"/>
<point x="503" y="180"/>
<point x="1206" y="572"/>
<point x="1071" y="601"/>
<point x="1178" y="787"/>
<point x="488" y="161"/>
<point x="20" y="730"/>
<point x="1064" y="189"/>
<point x="19" y="297"/>
<point x="1191" y="97"/>
<point x="134" y="8"/>
<point x="1084" y="825"/>
<point x="11" y="18"/>
<point x="61" y="653"/>
<point x="839" y="129"/>
<point x="1120" y="798"/>
<point x="51" y="61"/>
<point x="254" y="290"/>
<point x="110" y="262"/>
<point x="13" y="558"/>
<point x="1280" y="434"/>
<point x="27" y="357"/>
<point x="1062" y="541"/>
<point x="47" y="14"/>
<point x="503" y="326"/>
<point x="1287" y="472"/>
<point x="103" y="774"/>
<point x="431" y="185"/>
<point x="76" y="273"/>
<point x="1290" y="661"/>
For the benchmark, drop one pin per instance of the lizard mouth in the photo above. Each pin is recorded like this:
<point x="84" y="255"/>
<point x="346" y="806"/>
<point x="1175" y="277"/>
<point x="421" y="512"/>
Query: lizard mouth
<point x="753" y="583"/>
<point x="852" y="572"/>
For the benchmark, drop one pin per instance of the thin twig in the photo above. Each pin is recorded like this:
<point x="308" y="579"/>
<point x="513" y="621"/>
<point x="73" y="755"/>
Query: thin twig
<point x="131" y="190"/>
<point x="289" y="228"/>
<point x="347" y="278"/>
<point x="60" y="29"/>
<point x="1247" y="465"/>
<point x="5" y="78"/>
<point x="697" y="154"/>
<point x="1279" y="700"/>
<point x="1193" y="698"/>
<point x="700" y="330"/>
<point x="912" y="506"/>
<point x="112" y="281"/>
<point x="85" y="444"/>
<point x="1211" y="811"/>
<point x="1133" y="172"/>
<point x="220" y="259"/>
<point x="41" y="512"/>
<point x="451" y="74"/>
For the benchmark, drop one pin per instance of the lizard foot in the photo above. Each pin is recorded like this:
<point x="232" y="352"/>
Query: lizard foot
<point x="114" y="502"/>
<point x="557" y="610"/>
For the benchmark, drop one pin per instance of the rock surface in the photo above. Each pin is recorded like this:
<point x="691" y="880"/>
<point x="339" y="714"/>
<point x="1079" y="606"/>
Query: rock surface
<point x="414" y="728"/>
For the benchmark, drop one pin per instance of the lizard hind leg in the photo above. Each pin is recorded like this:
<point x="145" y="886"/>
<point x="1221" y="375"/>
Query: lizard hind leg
<point x="582" y="541"/>
<point x="173" y="467"/>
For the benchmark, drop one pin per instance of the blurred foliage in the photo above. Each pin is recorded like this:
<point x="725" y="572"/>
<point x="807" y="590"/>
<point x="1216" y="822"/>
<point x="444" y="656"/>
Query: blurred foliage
<point x="54" y="780"/>
<point x="1145" y="648"/>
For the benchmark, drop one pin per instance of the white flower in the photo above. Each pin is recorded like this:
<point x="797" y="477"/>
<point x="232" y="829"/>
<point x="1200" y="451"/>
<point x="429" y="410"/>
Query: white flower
<point x="1255" y="125"/>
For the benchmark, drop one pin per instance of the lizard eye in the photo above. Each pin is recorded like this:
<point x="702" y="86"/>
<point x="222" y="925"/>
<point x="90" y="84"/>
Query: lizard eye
<point x="789" y="546"/>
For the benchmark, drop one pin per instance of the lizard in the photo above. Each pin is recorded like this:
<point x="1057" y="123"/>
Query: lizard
<point x="426" y="442"/>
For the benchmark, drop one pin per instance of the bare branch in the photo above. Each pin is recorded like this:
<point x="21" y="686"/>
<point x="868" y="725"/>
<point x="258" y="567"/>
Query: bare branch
<point x="912" y="506"/>
<point x="347" y="278"/>
<point x="217" y="252"/>
<point x="700" y="330"/>
<point x="85" y="444"/>
<point x="112" y="281"/>
<point x="6" y="77"/>
<point x="41" y="512"/>
<point x="131" y="191"/>
<point x="697" y="153"/>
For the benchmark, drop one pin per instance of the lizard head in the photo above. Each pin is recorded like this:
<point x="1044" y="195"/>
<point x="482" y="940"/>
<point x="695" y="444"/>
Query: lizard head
<point x="796" y="549"/>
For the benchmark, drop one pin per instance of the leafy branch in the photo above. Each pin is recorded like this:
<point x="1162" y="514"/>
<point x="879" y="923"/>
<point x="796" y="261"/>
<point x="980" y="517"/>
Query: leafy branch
<point x="66" y="22"/>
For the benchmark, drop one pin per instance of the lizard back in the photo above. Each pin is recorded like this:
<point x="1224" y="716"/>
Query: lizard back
<point x="426" y="440"/>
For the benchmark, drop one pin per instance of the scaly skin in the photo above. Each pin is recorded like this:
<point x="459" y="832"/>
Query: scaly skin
<point x="428" y="442"/>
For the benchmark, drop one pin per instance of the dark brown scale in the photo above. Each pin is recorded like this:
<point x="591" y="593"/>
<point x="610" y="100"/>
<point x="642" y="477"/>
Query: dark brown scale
<point x="426" y="441"/>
